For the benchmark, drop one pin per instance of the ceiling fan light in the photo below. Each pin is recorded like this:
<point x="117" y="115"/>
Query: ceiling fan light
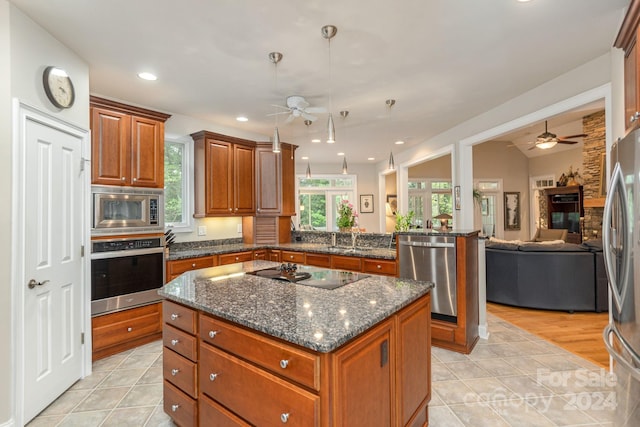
<point x="546" y="144"/>
<point x="392" y="164"/>
<point x="331" y="129"/>
<point x="276" y="141"/>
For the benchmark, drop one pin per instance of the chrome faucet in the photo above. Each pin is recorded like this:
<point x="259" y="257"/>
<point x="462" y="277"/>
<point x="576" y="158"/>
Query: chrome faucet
<point x="354" y="236"/>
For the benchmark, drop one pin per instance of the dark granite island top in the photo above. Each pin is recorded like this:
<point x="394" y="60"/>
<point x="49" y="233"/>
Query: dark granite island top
<point x="318" y="319"/>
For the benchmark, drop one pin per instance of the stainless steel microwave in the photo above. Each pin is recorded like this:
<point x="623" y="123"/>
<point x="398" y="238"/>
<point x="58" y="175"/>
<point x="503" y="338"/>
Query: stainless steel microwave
<point x="127" y="210"/>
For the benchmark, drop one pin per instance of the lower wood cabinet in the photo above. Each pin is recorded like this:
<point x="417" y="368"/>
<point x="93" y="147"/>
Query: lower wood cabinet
<point x="318" y="260"/>
<point x="244" y="377"/>
<point x="231" y="258"/>
<point x="122" y="330"/>
<point x="293" y="257"/>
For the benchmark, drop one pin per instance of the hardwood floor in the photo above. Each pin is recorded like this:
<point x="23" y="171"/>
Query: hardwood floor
<point x="580" y="333"/>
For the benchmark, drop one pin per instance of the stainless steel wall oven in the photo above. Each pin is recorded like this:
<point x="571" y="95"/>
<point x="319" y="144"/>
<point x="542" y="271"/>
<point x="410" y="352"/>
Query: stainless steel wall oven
<point x="125" y="272"/>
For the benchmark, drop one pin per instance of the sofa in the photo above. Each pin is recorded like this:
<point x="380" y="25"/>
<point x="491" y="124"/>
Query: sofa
<point x="547" y="275"/>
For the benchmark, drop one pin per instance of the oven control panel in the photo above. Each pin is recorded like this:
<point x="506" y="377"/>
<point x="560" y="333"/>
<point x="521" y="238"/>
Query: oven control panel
<point x="125" y="244"/>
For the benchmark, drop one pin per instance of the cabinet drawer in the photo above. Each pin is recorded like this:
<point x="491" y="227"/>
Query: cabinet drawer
<point x="112" y="329"/>
<point x="247" y="389"/>
<point x="235" y="257"/>
<point x="346" y="263"/>
<point x="179" y="316"/>
<point x="180" y="342"/>
<point x="212" y="414"/>
<point x="180" y="372"/>
<point x="377" y="266"/>
<point x="279" y="358"/>
<point x="288" y="256"/>
<point x="180" y="266"/>
<point x="180" y="407"/>
<point x="261" y="254"/>
<point x="318" y="260"/>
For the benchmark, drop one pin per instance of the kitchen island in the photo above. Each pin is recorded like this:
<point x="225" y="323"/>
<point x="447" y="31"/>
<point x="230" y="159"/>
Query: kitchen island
<point x="241" y="349"/>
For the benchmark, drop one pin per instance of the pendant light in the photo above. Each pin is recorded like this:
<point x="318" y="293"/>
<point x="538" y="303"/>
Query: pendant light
<point x="390" y="103"/>
<point x="308" y="175"/>
<point x="392" y="165"/>
<point x="328" y="32"/>
<point x="344" y="166"/>
<point x="276" y="57"/>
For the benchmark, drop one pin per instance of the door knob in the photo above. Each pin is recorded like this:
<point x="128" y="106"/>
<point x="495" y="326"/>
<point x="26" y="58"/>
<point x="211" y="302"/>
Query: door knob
<point x="32" y="283"/>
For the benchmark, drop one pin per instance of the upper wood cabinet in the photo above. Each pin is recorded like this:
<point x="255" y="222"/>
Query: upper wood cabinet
<point x="275" y="180"/>
<point x="627" y="41"/>
<point x="224" y="169"/>
<point x="127" y="146"/>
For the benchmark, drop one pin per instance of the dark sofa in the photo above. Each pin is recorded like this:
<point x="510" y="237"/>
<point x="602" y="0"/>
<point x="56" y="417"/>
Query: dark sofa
<point x="557" y="276"/>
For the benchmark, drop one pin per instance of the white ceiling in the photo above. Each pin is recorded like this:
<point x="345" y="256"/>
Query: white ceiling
<point x="443" y="61"/>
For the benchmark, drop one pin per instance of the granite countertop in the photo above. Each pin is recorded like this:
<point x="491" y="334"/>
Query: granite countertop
<point x="367" y="252"/>
<point x="318" y="319"/>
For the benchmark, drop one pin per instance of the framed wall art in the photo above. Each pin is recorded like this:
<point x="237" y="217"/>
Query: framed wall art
<point x="512" y="210"/>
<point x="366" y="203"/>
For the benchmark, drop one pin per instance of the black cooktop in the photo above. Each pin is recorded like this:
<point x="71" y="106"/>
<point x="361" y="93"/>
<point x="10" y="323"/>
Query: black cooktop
<point x="311" y="276"/>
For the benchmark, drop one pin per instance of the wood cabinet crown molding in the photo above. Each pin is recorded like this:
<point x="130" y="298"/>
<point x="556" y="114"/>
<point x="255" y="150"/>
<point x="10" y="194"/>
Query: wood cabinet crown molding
<point x="205" y="134"/>
<point x="627" y="34"/>
<point x="95" y="101"/>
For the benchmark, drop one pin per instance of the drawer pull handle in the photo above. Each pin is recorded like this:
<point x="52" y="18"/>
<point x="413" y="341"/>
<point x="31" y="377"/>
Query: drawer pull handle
<point x="129" y="329"/>
<point x="284" y="363"/>
<point x="174" y="342"/>
<point x="212" y="334"/>
<point x="284" y="417"/>
<point x="237" y="258"/>
<point x="175" y="407"/>
<point x="175" y="316"/>
<point x="174" y="372"/>
<point x="290" y="256"/>
<point x="379" y="266"/>
<point x="193" y="265"/>
<point x="212" y="377"/>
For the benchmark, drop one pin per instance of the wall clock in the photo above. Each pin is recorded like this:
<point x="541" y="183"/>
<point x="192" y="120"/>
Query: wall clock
<point x="58" y="87"/>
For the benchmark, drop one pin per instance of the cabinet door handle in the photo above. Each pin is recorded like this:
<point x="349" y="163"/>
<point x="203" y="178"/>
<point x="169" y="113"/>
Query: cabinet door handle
<point x="212" y="334"/>
<point x="174" y="316"/>
<point x="230" y="209"/>
<point x="174" y="372"/>
<point x="123" y="178"/>
<point x="129" y="329"/>
<point x="135" y="179"/>
<point x="284" y="363"/>
<point x="212" y="377"/>
<point x="175" y="407"/>
<point x="284" y="417"/>
<point x="174" y="342"/>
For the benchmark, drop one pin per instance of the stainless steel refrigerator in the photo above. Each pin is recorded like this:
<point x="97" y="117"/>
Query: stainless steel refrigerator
<point x="621" y="244"/>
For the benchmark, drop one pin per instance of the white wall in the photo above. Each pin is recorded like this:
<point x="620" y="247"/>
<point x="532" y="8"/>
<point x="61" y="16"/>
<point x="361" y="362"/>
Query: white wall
<point x="557" y="163"/>
<point x="25" y="50"/>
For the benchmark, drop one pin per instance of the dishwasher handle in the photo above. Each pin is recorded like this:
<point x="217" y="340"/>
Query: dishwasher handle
<point x="428" y="244"/>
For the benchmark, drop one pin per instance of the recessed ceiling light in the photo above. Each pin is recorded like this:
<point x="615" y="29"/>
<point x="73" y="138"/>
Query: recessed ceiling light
<point x="315" y="141"/>
<point x="305" y="157"/>
<point x="340" y="154"/>
<point x="371" y="158"/>
<point x="399" y="142"/>
<point x="242" y="119"/>
<point x="523" y="1"/>
<point x="147" y="76"/>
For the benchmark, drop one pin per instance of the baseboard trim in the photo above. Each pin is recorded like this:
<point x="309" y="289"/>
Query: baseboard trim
<point x="9" y="423"/>
<point x="483" y="331"/>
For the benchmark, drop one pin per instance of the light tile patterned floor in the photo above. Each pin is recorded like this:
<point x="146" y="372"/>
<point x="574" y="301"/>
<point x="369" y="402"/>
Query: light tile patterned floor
<point x="512" y="379"/>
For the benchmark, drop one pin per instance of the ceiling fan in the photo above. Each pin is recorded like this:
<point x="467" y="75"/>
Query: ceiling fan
<point x="548" y="140"/>
<point x="297" y="106"/>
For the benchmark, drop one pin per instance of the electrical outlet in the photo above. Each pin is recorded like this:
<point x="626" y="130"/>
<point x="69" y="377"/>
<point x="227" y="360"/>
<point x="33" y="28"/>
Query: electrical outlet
<point x="202" y="230"/>
<point x="239" y="228"/>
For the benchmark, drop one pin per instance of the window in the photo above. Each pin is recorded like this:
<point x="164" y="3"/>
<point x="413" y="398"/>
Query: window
<point x="429" y="198"/>
<point x="318" y="200"/>
<point x="178" y="187"/>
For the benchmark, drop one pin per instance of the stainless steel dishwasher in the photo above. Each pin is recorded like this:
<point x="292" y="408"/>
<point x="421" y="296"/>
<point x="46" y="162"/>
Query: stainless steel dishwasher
<point x="432" y="258"/>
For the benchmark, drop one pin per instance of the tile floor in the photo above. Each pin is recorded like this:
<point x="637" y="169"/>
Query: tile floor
<point x="512" y="379"/>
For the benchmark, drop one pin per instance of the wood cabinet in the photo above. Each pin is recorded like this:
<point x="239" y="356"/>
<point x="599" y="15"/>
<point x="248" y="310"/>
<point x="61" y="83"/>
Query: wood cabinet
<point x="627" y="40"/>
<point x="177" y="267"/>
<point x="318" y="260"/>
<point x="127" y="146"/>
<point x="340" y="262"/>
<point x="293" y="257"/>
<point x="564" y="209"/>
<point x="234" y="257"/>
<point x="224" y="169"/>
<point x="275" y="180"/>
<point x="381" y="377"/>
<point x="180" y="363"/>
<point x="379" y="266"/>
<point x="116" y="332"/>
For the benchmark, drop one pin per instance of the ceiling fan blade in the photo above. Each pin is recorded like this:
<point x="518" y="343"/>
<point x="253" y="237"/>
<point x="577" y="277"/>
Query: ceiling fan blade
<point x="280" y="106"/>
<point x="582" y="135"/>
<point x="315" y="110"/>
<point x="532" y="147"/>
<point x="562" y="141"/>
<point x="278" y="113"/>
<point x="309" y="116"/>
<point x="289" y="119"/>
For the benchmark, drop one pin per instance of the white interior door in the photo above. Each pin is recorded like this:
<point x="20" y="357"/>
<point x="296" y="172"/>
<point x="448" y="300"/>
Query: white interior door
<point x="52" y="289"/>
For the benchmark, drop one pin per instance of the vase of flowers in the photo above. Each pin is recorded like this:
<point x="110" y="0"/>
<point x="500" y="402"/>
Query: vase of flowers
<point x="347" y="216"/>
